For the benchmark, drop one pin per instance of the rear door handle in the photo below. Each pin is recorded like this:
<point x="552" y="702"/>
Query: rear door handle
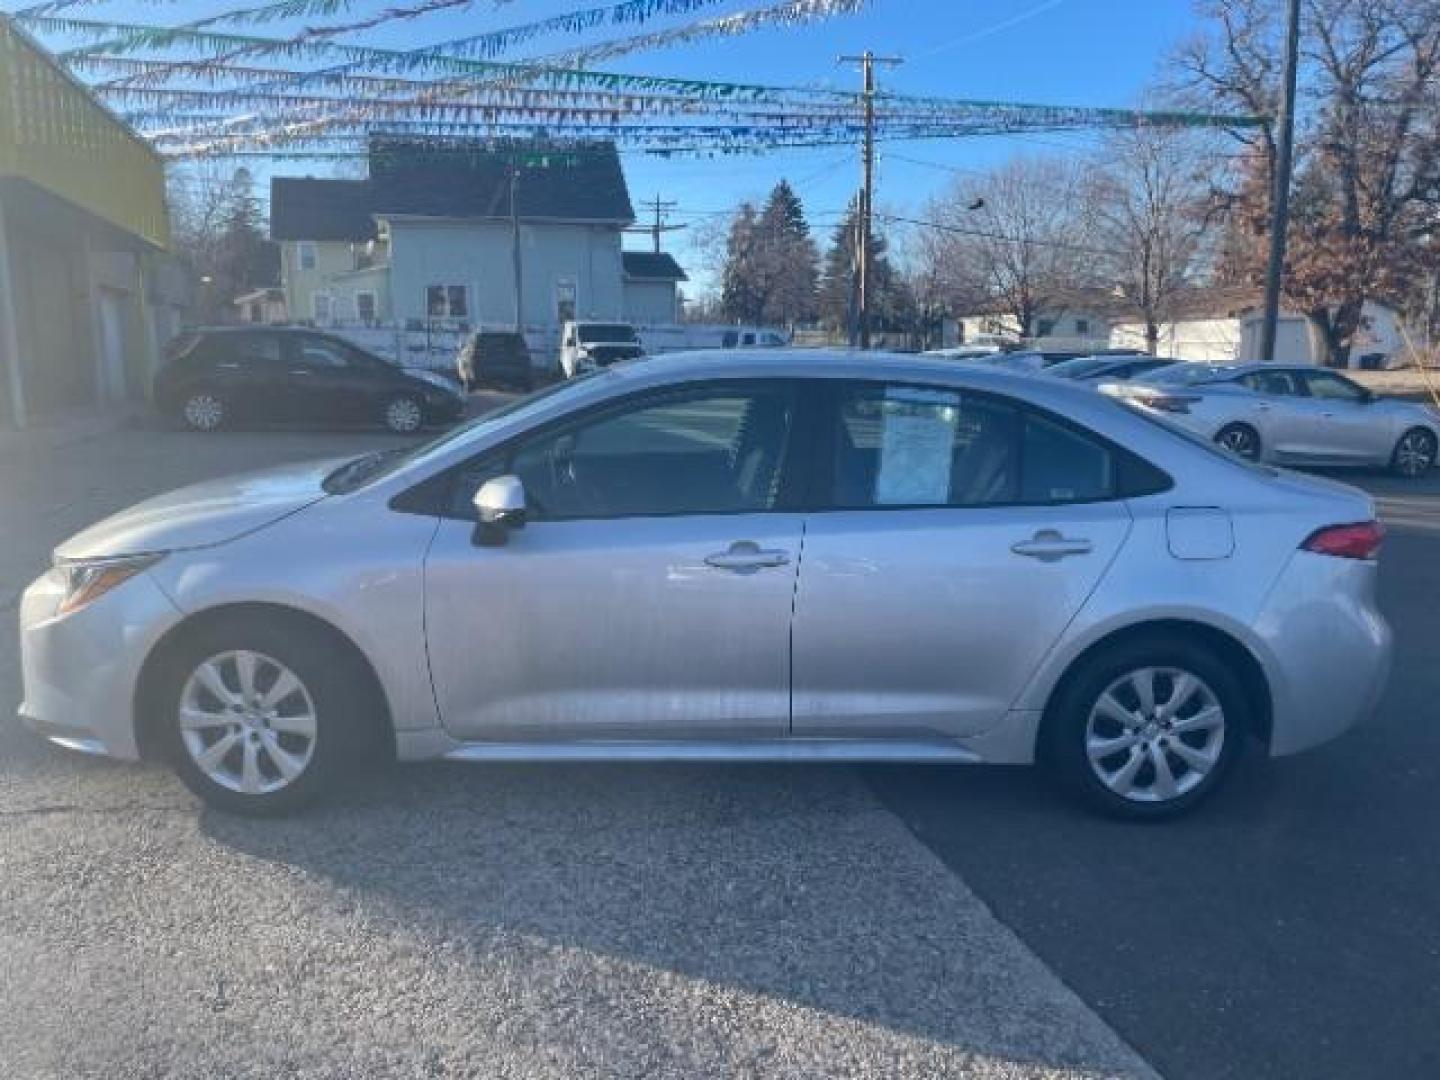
<point x="746" y="555"/>
<point x="1047" y="545"/>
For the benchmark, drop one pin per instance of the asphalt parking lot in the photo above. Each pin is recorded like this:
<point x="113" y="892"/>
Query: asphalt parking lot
<point x="627" y="921"/>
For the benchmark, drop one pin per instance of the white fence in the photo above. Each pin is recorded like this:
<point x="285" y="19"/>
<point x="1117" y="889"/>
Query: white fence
<point x="435" y="346"/>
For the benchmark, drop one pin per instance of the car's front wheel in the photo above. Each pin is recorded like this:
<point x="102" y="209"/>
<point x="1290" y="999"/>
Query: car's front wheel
<point x="1414" y="454"/>
<point x="1148" y="729"/>
<point x="204" y="410"/>
<point x="403" y="414"/>
<point x="261" y="717"/>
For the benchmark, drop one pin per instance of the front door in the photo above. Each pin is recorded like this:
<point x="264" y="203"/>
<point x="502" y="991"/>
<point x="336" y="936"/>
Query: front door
<point x="648" y="596"/>
<point x="1345" y="427"/>
<point x="965" y="532"/>
<point x="323" y="384"/>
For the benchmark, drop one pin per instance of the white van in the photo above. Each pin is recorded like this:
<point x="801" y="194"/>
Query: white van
<point x="585" y="346"/>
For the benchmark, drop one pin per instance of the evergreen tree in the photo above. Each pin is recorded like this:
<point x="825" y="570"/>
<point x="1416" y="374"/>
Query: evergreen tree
<point x="789" y="263"/>
<point x="740" y="297"/>
<point x="891" y="306"/>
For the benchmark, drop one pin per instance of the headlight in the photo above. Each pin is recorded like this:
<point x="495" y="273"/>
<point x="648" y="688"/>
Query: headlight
<point x="434" y="378"/>
<point x="86" y="580"/>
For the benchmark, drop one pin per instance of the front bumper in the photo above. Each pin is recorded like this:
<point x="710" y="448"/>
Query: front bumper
<point x="80" y="669"/>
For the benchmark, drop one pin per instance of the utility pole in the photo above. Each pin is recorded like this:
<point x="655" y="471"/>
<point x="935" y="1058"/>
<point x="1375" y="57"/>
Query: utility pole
<point x="1280" y="199"/>
<point x="865" y="240"/>
<point x="660" y="209"/>
<point x="515" y="259"/>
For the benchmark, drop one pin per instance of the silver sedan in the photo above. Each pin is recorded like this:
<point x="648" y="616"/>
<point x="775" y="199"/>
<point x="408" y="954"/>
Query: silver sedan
<point x="1291" y="415"/>
<point x="728" y="557"/>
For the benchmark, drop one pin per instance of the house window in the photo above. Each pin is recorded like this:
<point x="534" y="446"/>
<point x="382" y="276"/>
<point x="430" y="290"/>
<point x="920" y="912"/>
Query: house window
<point x="447" y="302"/>
<point x="1045" y="327"/>
<point x="565" y="301"/>
<point x="365" y="307"/>
<point x="1082" y="326"/>
<point x="307" y="256"/>
<point x="323" y="308"/>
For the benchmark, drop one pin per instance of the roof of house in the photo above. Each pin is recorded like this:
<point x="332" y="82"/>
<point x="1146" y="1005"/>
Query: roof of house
<point x="304" y="208"/>
<point x="652" y="266"/>
<point x="466" y="180"/>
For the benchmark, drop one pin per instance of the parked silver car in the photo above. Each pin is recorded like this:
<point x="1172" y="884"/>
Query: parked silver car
<point x="1291" y="414"/>
<point x="728" y="557"/>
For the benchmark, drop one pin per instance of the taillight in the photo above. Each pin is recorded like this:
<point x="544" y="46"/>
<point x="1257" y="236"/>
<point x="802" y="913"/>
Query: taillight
<point x="1359" y="541"/>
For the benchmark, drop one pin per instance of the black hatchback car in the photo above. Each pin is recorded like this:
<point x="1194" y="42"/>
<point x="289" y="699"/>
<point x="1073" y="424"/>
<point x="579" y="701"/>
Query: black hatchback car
<point x="495" y="358"/>
<point x="274" y="375"/>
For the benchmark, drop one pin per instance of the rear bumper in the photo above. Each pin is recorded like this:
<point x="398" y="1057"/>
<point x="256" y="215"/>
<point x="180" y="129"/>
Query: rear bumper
<point x="1330" y="650"/>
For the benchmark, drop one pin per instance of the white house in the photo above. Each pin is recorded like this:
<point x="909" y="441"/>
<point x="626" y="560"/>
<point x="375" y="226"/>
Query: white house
<point x="430" y="239"/>
<point x="1224" y="325"/>
<point x="1080" y="320"/>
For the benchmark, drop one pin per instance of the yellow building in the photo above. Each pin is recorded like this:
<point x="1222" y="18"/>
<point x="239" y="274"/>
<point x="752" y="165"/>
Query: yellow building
<point x="86" y="299"/>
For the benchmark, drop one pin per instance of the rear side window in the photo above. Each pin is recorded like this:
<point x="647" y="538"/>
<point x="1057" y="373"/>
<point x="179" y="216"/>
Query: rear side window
<point x="249" y="349"/>
<point x="902" y="446"/>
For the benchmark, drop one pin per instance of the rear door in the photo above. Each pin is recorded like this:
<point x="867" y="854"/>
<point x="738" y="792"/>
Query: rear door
<point x="956" y="536"/>
<point x="1280" y="414"/>
<point x="248" y="369"/>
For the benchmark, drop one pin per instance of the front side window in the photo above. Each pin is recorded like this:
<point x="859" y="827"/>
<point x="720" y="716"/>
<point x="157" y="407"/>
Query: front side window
<point x="1275" y="383"/>
<point x="693" y="452"/>
<point x="901" y="446"/>
<point x="1329" y="387"/>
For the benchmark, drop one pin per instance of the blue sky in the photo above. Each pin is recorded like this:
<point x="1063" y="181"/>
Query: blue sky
<point x="1076" y="52"/>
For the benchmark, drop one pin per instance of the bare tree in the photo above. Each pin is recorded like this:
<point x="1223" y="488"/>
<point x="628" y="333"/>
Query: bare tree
<point x="1149" y="203"/>
<point x="1368" y="178"/>
<point x="1012" y="240"/>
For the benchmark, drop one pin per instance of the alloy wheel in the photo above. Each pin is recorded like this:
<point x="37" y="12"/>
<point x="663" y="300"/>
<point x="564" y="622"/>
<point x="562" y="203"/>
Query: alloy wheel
<point x="204" y="411"/>
<point x="1415" y="453"/>
<point x="1155" y="734"/>
<point x="1240" y="440"/>
<point x="403" y="415"/>
<point x="248" y="722"/>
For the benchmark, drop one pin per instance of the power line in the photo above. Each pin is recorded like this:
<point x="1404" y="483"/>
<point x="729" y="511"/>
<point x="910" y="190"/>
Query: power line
<point x="984" y="235"/>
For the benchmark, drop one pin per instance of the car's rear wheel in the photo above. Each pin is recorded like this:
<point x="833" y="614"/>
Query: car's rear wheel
<point x="1414" y="454"/>
<point x="1148" y="729"/>
<point x="1240" y="439"/>
<point x="403" y="414"/>
<point x="261" y="717"/>
<point x="203" y="410"/>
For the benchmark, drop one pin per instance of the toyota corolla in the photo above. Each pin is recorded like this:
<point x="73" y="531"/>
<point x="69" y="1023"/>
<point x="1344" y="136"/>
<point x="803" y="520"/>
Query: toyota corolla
<point x="729" y="557"/>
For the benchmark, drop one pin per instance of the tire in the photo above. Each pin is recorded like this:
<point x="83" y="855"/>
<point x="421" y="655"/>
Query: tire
<point x="1241" y="439"/>
<point x="1128" y="782"/>
<point x="1414" y="454"/>
<point x="403" y="414"/>
<point x="204" y="410"/>
<point x="291" y="750"/>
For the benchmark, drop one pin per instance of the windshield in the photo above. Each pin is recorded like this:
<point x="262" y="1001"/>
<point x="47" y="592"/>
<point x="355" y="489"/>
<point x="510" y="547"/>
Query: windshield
<point x="1185" y="373"/>
<point x="617" y="333"/>
<point x="369" y="468"/>
<point x="1079" y="367"/>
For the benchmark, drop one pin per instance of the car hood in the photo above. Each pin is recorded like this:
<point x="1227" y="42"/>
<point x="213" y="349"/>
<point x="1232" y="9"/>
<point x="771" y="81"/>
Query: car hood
<point x="203" y="515"/>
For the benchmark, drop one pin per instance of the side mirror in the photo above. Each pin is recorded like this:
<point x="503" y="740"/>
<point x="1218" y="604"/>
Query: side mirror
<point x="499" y="507"/>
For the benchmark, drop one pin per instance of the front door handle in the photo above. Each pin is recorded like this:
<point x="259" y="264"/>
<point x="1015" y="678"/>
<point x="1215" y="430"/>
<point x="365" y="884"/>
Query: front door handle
<point x="300" y="371"/>
<point x="746" y="555"/>
<point x="1047" y="545"/>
